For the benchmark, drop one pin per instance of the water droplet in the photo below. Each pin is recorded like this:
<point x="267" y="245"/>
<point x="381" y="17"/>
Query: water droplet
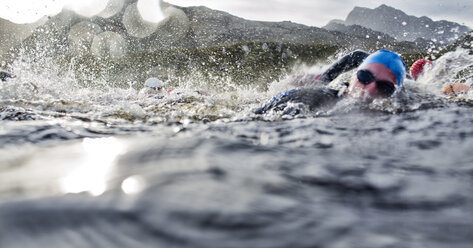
<point x="150" y="10"/>
<point x="112" y="8"/>
<point x="109" y="45"/>
<point x="133" y="185"/>
<point x="82" y="34"/>
<point x="264" y="139"/>
<point x="135" y="25"/>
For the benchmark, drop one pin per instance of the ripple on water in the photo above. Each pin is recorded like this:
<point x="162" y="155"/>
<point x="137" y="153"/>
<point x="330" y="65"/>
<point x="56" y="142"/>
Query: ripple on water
<point x="386" y="175"/>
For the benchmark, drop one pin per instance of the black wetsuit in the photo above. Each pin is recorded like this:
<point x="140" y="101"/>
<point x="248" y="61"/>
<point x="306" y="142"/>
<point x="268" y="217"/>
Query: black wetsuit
<point x="5" y="75"/>
<point x="348" y="62"/>
<point x="316" y="97"/>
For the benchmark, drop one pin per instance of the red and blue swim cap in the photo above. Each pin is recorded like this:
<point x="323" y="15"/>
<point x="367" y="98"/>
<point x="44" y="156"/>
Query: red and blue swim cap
<point x="391" y="60"/>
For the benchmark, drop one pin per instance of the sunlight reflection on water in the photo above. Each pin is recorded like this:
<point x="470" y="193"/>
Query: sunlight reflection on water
<point x="94" y="167"/>
<point x="133" y="185"/>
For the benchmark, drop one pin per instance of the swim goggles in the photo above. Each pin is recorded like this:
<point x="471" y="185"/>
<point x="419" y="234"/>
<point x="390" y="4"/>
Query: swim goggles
<point x="385" y="88"/>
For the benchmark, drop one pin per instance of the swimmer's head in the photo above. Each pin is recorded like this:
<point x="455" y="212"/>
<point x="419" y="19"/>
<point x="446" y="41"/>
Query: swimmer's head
<point x="419" y="67"/>
<point x="154" y="84"/>
<point x="379" y="74"/>
<point x="391" y="60"/>
<point x="456" y="88"/>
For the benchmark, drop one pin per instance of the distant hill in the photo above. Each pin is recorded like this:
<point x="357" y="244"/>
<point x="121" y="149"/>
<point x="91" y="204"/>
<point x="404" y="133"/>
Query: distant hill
<point x="121" y="47"/>
<point x="338" y="25"/>
<point x="195" y="27"/>
<point x="404" y="27"/>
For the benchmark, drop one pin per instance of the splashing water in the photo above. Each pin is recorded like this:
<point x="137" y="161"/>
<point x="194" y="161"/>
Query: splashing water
<point x="446" y="70"/>
<point x="83" y="158"/>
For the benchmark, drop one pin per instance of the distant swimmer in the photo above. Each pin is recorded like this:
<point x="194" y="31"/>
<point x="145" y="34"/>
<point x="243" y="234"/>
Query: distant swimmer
<point x="456" y="89"/>
<point x="421" y="66"/>
<point x="5" y="75"/>
<point x="155" y="87"/>
<point x="378" y="75"/>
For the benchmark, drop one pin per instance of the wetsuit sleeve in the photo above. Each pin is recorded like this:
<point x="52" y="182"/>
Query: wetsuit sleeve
<point x="312" y="97"/>
<point x="320" y="96"/>
<point x="5" y="75"/>
<point x="348" y="62"/>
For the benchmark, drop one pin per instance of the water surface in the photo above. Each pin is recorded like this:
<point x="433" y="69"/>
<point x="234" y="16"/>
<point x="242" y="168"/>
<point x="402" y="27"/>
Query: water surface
<point x="103" y="166"/>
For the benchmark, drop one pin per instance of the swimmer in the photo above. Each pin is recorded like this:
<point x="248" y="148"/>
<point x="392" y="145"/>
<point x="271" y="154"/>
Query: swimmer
<point x="378" y="75"/>
<point x="452" y="89"/>
<point x="154" y="86"/>
<point x="419" y="67"/>
<point x="455" y="89"/>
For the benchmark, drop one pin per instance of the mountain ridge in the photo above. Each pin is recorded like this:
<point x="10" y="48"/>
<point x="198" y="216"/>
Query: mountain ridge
<point x="189" y="40"/>
<point x="199" y="27"/>
<point x="404" y="27"/>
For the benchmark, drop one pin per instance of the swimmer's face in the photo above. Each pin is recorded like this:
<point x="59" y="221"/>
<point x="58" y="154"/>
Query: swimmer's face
<point x="154" y="91"/>
<point x="373" y="80"/>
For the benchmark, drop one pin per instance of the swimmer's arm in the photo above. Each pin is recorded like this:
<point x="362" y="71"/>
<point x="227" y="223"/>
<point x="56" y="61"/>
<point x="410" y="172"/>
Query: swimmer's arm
<point x="347" y="63"/>
<point x="312" y="97"/>
<point x="5" y="75"/>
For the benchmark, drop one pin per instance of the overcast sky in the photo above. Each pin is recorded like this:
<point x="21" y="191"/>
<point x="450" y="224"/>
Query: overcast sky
<point x="309" y="12"/>
<point x="319" y="12"/>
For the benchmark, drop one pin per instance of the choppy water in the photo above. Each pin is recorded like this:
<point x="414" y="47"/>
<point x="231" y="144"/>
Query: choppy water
<point x="99" y="166"/>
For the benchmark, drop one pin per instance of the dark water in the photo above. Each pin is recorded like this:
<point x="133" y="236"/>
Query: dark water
<point x="102" y="167"/>
<point x="363" y="179"/>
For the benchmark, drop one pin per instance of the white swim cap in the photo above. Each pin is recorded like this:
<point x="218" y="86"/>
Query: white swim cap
<point x="153" y="83"/>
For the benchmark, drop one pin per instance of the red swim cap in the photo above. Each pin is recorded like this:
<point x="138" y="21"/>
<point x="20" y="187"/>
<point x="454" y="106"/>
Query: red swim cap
<point x="418" y="67"/>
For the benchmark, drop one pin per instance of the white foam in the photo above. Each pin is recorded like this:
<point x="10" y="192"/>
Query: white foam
<point x="444" y="71"/>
